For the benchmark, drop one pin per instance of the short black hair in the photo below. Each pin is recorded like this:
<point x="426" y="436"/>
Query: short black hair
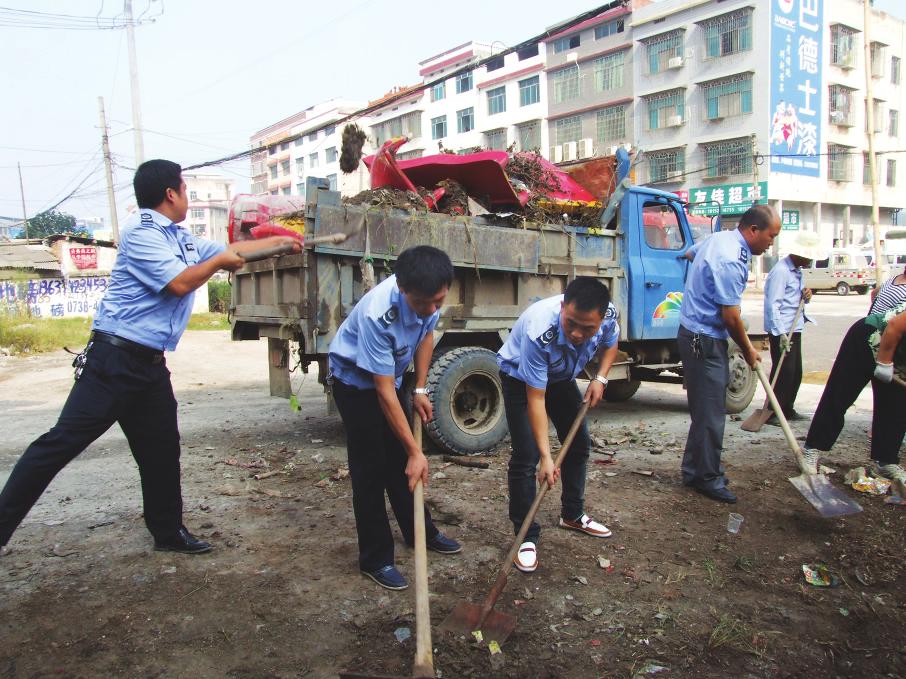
<point x="423" y="269"/>
<point x="153" y="178"/>
<point x="587" y="293"/>
<point x="759" y="216"/>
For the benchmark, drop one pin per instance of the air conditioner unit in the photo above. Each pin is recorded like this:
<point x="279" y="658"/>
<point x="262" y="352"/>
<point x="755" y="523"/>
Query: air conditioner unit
<point x="556" y="154"/>
<point x="674" y="121"/>
<point x="674" y="62"/>
<point x="586" y="148"/>
<point x="569" y="150"/>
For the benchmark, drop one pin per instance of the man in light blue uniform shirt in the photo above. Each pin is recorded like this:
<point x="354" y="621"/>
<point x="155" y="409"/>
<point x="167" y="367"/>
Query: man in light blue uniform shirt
<point x="709" y="315"/>
<point x="121" y="375"/>
<point x="389" y="327"/>
<point x="783" y="290"/>
<point x="550" y="345"/>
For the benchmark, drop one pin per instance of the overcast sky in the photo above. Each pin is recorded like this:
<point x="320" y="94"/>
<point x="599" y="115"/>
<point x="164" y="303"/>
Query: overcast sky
<point x="211" y="73"/>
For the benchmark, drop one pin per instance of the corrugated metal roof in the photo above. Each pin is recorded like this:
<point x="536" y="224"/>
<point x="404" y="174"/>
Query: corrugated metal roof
<point x="27" y="256"/>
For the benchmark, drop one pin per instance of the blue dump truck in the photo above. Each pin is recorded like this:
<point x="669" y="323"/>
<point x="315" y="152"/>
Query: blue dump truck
<point x="503" y="264"/>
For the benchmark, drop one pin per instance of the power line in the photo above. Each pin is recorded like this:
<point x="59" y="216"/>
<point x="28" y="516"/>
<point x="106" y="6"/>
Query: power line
<point x="23" y="18"/>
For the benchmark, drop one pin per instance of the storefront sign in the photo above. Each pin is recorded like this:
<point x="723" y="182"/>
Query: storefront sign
<point x="727" y="199"/>
<point x="84" y="258"/>
<point x="789" y="220"/>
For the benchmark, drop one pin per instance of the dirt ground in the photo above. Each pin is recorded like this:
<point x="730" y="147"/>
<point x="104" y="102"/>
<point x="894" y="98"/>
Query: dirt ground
<point x="84" y="595"/>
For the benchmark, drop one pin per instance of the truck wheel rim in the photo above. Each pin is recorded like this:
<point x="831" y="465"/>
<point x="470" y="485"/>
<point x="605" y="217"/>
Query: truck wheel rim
<point x="476" y="403"/>
<point x="739" y="374"/>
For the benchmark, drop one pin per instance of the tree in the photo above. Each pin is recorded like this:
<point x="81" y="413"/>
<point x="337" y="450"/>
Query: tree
<point x="50" y="223"/>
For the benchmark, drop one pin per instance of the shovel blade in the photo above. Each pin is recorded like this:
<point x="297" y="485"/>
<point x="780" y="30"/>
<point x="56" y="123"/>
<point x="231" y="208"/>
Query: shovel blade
<point x="757" y="419"/>
<point x="464" y="620"/>
<point x="823" y="496"/>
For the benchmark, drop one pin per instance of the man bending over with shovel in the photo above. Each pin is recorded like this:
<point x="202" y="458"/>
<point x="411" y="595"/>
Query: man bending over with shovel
<point x="549" y="346"/>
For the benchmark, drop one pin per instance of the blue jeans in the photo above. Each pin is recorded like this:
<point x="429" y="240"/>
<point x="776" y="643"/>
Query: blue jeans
<point x="562" y="401"/>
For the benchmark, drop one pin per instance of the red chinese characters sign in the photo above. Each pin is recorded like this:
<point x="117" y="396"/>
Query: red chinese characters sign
<point x="84" y="258"/>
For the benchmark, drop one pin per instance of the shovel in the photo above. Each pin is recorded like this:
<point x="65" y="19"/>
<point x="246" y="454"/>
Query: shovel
<point x="816" y="488"/>
<point x="467" y="618"/>
<point x="286" y="249"/>
<point x="757" y="420"/>
<point x="424" y="660"/>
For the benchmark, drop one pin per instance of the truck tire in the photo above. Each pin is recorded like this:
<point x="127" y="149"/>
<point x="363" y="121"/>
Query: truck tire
<point x="464" y="388"/>
<point x="842" y="288"/>
<point x="621" y="391"/>
<point x="743" y="381"/>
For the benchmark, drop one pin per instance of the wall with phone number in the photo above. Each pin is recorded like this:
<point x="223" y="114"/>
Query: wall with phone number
<point x="53" y="297"/>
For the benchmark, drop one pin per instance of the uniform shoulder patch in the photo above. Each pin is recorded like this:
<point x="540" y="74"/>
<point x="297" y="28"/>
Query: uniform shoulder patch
<point x="611" y="312"/>
<point x="389" y="316"/>
<point x="547" y="336"/>
<point x="743" y="255"/>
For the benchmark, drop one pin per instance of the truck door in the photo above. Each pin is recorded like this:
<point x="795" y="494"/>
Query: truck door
<point x="665" y="236"/>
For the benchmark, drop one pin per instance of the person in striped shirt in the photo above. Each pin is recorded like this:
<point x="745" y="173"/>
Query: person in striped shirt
<point x="889" y="295"/>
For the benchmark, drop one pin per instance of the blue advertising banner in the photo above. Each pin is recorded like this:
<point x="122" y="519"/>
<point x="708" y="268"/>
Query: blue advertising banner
<point x="796" y="37"/>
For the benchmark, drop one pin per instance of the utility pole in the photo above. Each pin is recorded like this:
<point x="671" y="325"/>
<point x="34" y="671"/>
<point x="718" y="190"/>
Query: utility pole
<point x="757" y="262"/>
<point x="22" y="193"/>
<point x="111" y="198"/>
<point x="880" y="260"/>
<point x="133" y="78"/>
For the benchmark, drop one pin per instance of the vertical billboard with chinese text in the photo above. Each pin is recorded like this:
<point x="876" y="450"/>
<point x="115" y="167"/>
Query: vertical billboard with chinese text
<point x="795" y="134"/>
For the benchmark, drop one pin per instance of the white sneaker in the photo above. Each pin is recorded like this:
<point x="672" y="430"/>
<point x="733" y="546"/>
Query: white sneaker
<point x="893" y="471"/>
<point x="527" y="557"/>
<point x="810" y="460"/>
<point x="585" y="524"/>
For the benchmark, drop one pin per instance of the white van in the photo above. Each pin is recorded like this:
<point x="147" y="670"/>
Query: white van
<point x="894" y="249"/>
<point x="842" y="271"/>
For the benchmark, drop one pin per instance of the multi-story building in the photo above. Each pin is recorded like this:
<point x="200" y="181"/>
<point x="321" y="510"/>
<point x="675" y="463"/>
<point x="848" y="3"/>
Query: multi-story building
<point x="400" y="113"/>
<point x="209" y="205"/>
<point x="304" y="145"/>
<point x="765" y="99"/>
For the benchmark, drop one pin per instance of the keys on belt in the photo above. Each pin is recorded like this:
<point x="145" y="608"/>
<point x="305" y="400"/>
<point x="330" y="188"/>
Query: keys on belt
<point x="697" y="345"/>
<point x="81" y="360"/>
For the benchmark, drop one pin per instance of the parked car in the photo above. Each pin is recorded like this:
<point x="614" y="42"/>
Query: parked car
<point x="842" y="271"/>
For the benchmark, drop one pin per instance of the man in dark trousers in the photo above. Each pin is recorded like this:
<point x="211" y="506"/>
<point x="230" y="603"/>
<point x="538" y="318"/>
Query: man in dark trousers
<point x="388" y="328"/>
<point x="709" y="315"/>
<point x="121" y="375"/>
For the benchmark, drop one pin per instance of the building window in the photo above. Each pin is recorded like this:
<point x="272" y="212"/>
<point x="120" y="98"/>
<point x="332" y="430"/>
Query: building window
<point x="843" y="46"/>
<point x="409" y="155"/>
<point x="611" y="124"/>
<point x="313" y="136"/>
<point x="609" y="72"/>
<point x="567" y="43"/>
<point x="665" y="109"/>
<point x="495" y="139"/>
<point x="566" y="84"/>
<point x="439" y="127"/>
<point x="567" y="129"/>
<point x="463" y="82"/>
<point x="439" y="91"/>
<point x="284" y="167"/>
<point x="197" y="213"/>
<point x="273" y="171"/>
<point x="193" y="195"/>
<point x="529" y="91"/>
<point x="725" y="158"/>
<point x="728" y="34"/>
<point x="496" y="100"/>
<point x="199" y="229"/>
<point x="895" y="70"/>
<point x="528" y="52"/>
<point x="329" y="130"/>
<point x="729" y="97"/>
<point x="332" y="181"/>
<point x="839" y="163"/>
<point x="529" y="135"/>
<point x="891" y="173"/>
<point x="271" y="150"/>
<point x="840" y="104"/>
<point x="465" y="120"/>
<point x="666" y="165"/>
<point x="313" y="160"/>
<point x="330" y="155"/>
<point x="300" y="188"/>
<point x="878" y="119"/>
<point x="878" y="61"/>
<point x="286" y="190"/>
<point x="299" y="141"/>
<point x="494" y="64"/>
<point x="866" y="169"/>
<point x="409" y="124"/>
<point x="284" y="146"/>
<point x="662" y="51"/>
<point x="609" y="28"/>
<point x="894" y="128"/>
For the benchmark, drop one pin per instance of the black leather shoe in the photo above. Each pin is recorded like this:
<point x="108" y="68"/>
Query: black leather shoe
<point x="184" y="543"/>
<point x="796" y="416"/>
<point x="719" y="494"/>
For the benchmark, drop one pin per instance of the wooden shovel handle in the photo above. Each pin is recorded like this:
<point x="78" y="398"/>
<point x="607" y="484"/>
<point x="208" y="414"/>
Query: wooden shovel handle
<point x="787" y="432"/>
<point x="424" y="659"/>
<point x="507" y="564"/>
<point x="276" y="250"/>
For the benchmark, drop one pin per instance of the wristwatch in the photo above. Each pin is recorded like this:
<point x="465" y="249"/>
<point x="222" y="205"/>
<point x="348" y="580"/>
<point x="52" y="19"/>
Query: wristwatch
<point x="420" y="390"/>
<point x="603" y="380"/>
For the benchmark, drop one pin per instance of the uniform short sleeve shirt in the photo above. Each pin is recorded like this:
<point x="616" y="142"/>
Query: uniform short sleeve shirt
<point x="137" y="306"/>
<point x="782" y="292"/>
<point x="717" y="278"/>
<point x="537" y="350"/>
<point x="379" y="337"/>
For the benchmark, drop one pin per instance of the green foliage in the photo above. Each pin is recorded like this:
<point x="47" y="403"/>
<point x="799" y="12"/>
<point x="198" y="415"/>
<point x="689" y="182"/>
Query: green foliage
<point x="211" y="321"/>
<point x="219" y="296"/>
<point x="24" y="335"/>
<point x="51" y="223"/>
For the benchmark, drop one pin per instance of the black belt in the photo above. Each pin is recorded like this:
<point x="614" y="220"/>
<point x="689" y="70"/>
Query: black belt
<point x="140" y="350"/>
